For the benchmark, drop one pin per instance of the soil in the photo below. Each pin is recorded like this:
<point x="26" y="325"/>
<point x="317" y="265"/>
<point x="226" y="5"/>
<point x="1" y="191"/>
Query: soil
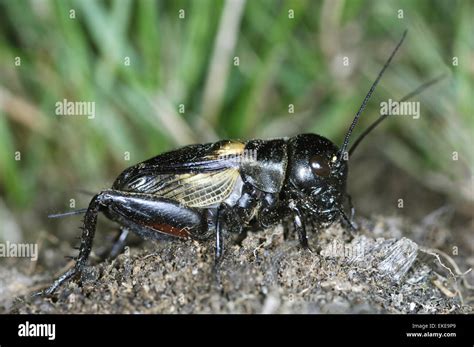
<point x="377" y="270"/>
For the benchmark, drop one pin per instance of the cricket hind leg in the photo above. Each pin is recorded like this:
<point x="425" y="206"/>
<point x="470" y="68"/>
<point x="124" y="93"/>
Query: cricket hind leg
<point x="87" y="238"/>
<point x="153" y="214"/>
<point x="119" y="243"/>
<point x="121" y="240"/>
<point x="152" y="218"/>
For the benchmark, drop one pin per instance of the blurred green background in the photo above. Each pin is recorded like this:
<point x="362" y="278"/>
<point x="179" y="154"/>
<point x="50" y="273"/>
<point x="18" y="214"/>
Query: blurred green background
<point x="160" y="81"/>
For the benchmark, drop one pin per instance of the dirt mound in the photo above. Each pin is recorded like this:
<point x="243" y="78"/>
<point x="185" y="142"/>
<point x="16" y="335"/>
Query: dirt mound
<point x="377" y="271"/>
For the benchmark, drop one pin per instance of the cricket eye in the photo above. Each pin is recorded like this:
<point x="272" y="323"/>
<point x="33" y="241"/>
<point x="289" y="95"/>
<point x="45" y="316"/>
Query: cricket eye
<point x="319" y="166"/>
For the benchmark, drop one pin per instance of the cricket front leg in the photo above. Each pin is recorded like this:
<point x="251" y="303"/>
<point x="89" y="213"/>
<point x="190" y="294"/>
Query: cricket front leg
<point x="300" y="228"/>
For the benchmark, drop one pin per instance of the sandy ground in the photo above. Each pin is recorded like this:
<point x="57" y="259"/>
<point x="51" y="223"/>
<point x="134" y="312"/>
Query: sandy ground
<point x="377" y="271"/>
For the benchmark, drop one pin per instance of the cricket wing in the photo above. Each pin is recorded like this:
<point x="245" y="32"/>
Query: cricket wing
<point x="196" y="176"/>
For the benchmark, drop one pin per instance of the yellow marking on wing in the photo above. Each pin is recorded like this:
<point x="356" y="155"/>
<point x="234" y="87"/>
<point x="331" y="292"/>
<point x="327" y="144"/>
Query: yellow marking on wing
<point x="228" y="149"/>
<point x="231" y="148"/>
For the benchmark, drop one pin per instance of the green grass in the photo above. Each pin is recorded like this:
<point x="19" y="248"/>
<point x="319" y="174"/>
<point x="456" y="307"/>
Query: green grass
<point x="282" y="61"/>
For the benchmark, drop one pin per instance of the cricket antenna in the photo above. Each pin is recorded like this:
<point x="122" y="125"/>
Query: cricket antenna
<point x="65" y="214"/>
<point x="366" y="99"/>
<point x="417" y="91"/>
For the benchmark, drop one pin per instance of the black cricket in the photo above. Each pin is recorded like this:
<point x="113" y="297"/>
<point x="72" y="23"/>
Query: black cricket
<point x="227" y="187"/>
